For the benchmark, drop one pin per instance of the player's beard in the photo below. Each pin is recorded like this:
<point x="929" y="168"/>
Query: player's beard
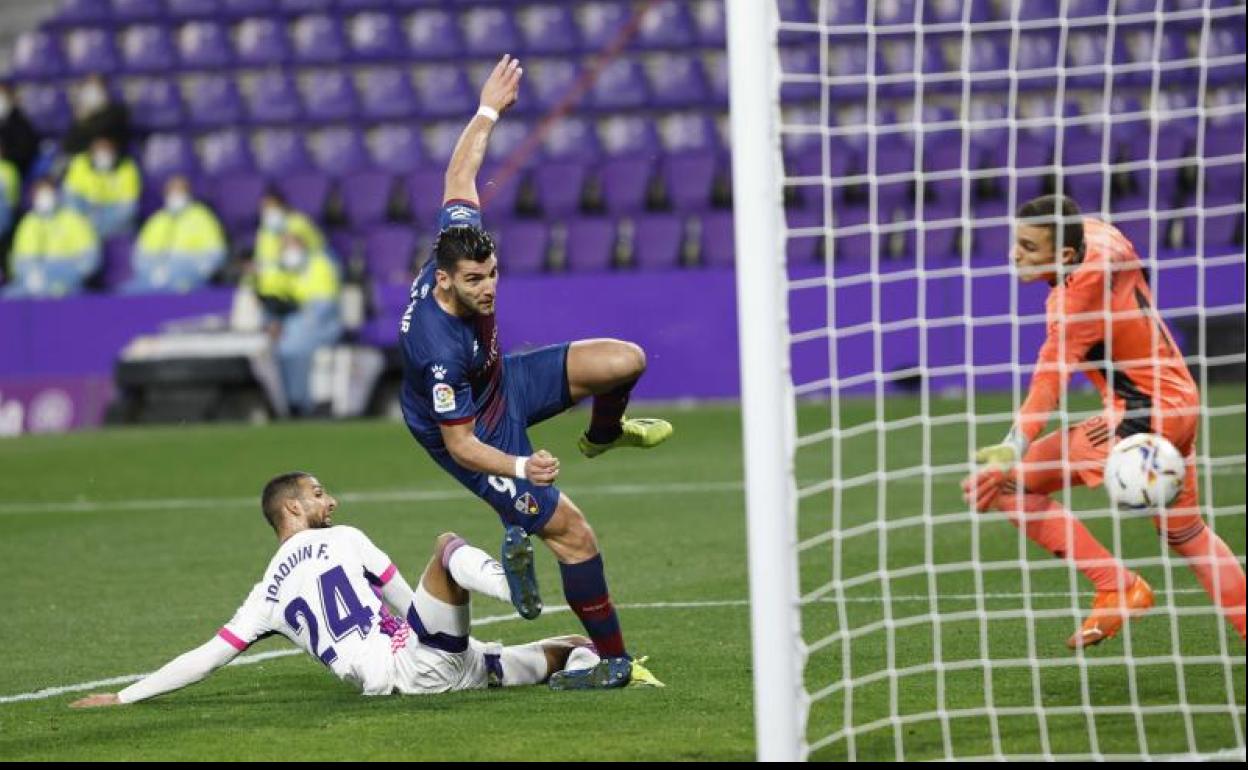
<point x="473" y="305"/>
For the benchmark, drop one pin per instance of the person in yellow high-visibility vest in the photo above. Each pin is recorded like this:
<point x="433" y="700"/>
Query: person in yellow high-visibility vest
<point x="10" y="191"/>
<point x="54" y="250"/>
<point x="180" y="246"/>
<point x="300" y="298"/>
<point x="277" y="219"/>
<point x="105" y="187"/>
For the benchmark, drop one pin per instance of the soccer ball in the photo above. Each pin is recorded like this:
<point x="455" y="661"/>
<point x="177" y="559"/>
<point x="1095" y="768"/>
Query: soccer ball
<point x="1144" y="473"/>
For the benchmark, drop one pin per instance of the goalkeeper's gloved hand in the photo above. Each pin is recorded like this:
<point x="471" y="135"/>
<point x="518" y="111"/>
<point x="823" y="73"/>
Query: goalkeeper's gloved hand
<point x="981" y="488"/>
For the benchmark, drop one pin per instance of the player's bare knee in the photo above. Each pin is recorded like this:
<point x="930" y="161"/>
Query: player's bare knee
<point x="630" y="360"/>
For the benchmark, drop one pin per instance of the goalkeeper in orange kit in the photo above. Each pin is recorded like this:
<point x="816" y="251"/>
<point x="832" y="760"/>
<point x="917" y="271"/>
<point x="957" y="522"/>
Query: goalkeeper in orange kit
<point x="1099" y="320"/>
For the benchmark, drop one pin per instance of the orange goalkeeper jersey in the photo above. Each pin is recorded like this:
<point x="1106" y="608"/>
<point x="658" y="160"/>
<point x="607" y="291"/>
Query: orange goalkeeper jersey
<point x="1100" y="320"/>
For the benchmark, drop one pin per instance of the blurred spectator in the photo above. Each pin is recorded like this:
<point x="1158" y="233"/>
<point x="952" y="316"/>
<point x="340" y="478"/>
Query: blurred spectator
<point x="10" y="192"/>
<point x="55" y="249"/>
<point x="300" y="299"/>
<point x="104" y="186"/>
<point x="17" y="135"/>
<point x="278" y="219"/>
<point x="180" y="246"/>
<point x="96" y="116"/>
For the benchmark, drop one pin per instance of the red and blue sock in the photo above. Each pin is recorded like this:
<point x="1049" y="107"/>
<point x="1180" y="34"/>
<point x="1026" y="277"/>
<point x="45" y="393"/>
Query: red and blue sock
<point x="585" y="588"/>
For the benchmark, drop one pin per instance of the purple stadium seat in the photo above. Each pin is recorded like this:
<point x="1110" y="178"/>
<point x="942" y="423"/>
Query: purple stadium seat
<point x="271" y="97"/>
<point x="1225" y="229"/>
<point x="1039" y="10"/>
<point x="440" y="139"/>
<point x="508" y="137"/>
<point x="590" y="244"/>
<point x="424" y="195"/>
<point x="434" y="33"/>
<point x="147" y="48"/>
<point x="37" y="54"/>
<point x="389" y="252"/>
<point x="666" y="25"/>
<point x="279" y="151"/>
<point x="601" y="22"/>
<point x="716" y="246"/>
<point x="688" y="177"/>
<point x="318" y="39"/>
<point x="236" y="199"/>
<point x="261" y="42"/>
<point x="677" y="80"/>
<point x="90" y="50"/>
<point x="242" y="8"/>
<point x="559" y="186"/>
<point x="375" y="36"/>
<point x="115" y="270"/>
<point x="443" y="90"/>
<point x="128" y="11"/>
<point x="154" y="103"/>
<point x="946" y="11"/>
<point x="990" y="242"/>
<point x="625" y="182"/>
<point x="796" y="12"/>
<point x="305" y="191"/>
<point x="988" y="52"/>
<point x="211" y="100"/>
<point x="551" y="82"/>
<point x="548" y="29"/>
<point x="225" y="151"/>
<point x="803" y="62"/>
<point x="204" y="44"/>
<point x="894" y="13"/>
<point x="851" y="245"/>
<point x="299" y="7"/>
<point x="164" y="155"/>
<point x="572" y="139"/>
<point x="715" y="65"/>
<point x="395" y="147"/>
<point x="193" y="9"/>
<point x="80" y="13"/>
<point x="710" y="23"/>
<point x="689" y="132"/>
<point x="658" y="240"/>
<point x="802" y="249"/>
<point x="351" y="6"/>
<point x="365" y="195"/>
<point x="1083" y="147"/>
<point x="340" y="151"/>
<point x="629" y="135"/>
<point x="522" y="246"/>
<point x="1038" y="51"/>
<point x="941" y="242"/>
<point x="385" y="93"/>
<point x="1086" y="50"/>
<point x="1224" y="138"/>
<point x="498" y="192"/>
<point x="328" y="95"/>
<point x="490" y="32"/>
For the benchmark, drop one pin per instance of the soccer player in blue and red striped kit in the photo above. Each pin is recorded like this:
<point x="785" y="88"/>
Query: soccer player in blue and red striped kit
<point x="470" y="406"/>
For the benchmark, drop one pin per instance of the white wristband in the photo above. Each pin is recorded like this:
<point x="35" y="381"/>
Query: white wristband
<point x="520" y="463"/>
<point x="488" y="112"/>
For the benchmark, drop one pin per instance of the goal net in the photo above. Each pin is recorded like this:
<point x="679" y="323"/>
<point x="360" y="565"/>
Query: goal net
<point x="880" y="148"/>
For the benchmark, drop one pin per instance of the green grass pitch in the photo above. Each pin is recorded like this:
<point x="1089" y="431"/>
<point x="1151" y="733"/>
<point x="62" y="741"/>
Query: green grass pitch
<point x="122" y="548"/>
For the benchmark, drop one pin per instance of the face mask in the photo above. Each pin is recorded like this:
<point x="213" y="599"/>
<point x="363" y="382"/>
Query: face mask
<point x="293" y="258"/>
<point x="176" y="201"/>
<point x="103" y="160"/>
<point x="44" y="202"/>
<point x="274" y="219"/>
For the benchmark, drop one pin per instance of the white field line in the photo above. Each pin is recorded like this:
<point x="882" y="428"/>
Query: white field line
<point x="422" y="495"/>
<point x="260" y="657"/>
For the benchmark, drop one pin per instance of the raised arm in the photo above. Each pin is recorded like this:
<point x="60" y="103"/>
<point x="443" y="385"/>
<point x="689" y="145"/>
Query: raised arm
<point x="499" y="93"/>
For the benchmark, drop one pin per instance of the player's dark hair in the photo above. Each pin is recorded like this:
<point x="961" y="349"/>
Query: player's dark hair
<point x="461" y="242"/>
<point x="1052" y="212"/>
<point x="278" y="491"/>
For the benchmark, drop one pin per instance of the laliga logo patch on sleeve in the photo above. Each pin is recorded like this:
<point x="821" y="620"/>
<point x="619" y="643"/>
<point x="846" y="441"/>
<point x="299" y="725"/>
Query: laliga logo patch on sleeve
<point x="460" y="213"/>
<point x="443" y="398"/>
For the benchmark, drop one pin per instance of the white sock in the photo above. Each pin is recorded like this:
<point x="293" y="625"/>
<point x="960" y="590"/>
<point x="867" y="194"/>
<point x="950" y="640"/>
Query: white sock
<point x="523" y="664"/>
<point x="477" y="571"/>
<point x="582" y="657"/>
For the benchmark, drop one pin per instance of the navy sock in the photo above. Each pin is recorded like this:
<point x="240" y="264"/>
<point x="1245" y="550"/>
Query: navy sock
<point x="604" y="423"/>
